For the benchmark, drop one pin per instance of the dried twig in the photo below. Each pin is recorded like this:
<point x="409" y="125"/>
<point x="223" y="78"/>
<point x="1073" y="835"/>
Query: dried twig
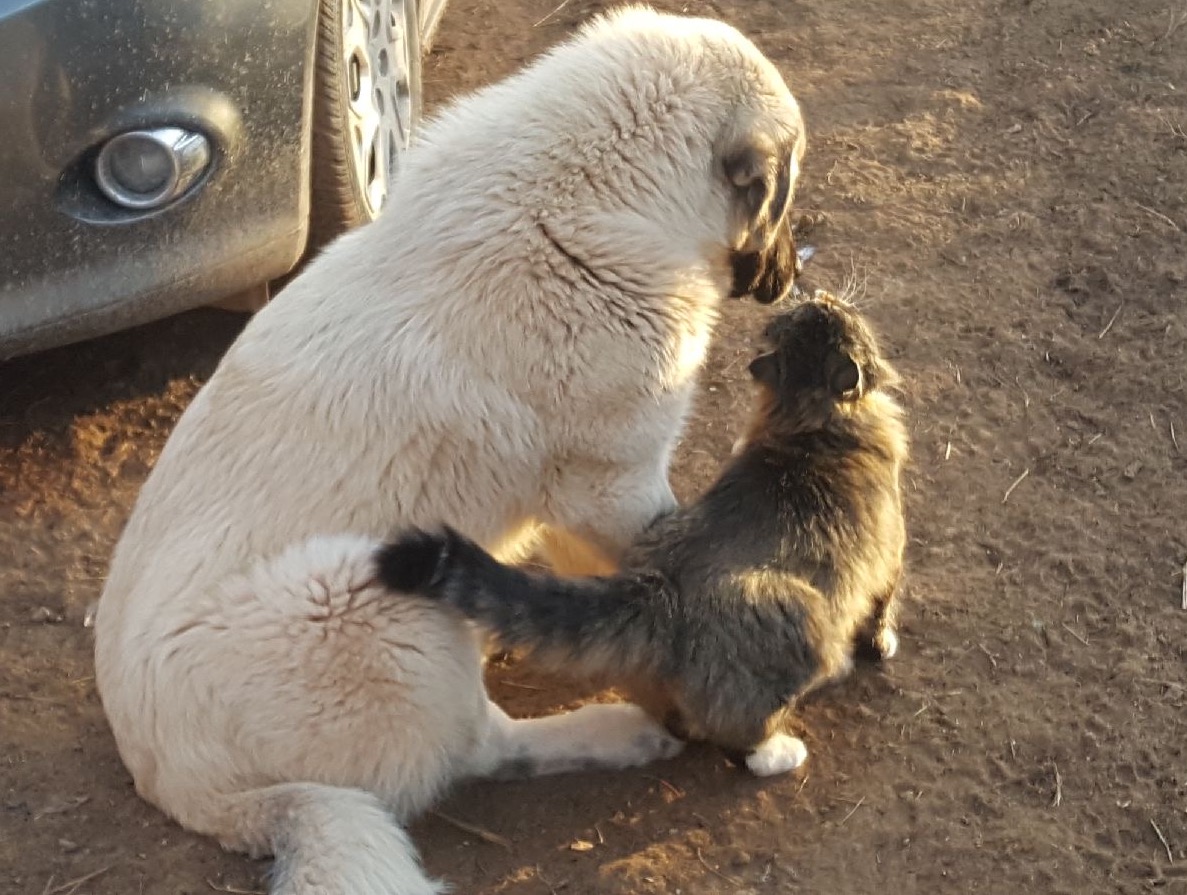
<point x="1183" y="603"/>
<point x="29" y="697"/>
<point x="71" y="886"/>
<point x="232" y="890"/>
<point x="851" y="810"/>
<point x="1173" y="685"/>
<point x="484" y="835"/>
<point x="62" y="807"/>
<point x="1083" y="640"/>
<point x="670" y="787"/>
<point x="557" y="9"/>
<point x="1177" y="19"/>
<point x="1169" y="855"/>
<point x="1112" y="320"/>
<point x="1158" y="214"/>
<point x="521" y="686"/>
<point x="1055" y="802"/>
<point x="1025" y="395"/>
<point x="1017" y="482"/>
<point x="1176" y="130"/>
<point x="716" y="872"/>
<point x="988" y="654"/>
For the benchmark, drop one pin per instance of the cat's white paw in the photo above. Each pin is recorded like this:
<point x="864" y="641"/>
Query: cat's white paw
<point x="777" y="755"/>
<point x="886" y="643"/>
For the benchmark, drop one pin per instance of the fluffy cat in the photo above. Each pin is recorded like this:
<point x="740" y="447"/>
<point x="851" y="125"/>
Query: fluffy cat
<point x="730" y="608"/>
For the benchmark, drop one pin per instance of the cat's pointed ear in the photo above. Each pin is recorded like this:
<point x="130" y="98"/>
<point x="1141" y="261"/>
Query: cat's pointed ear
<point x="844" y="376"/>
<point x="765" y="369"/>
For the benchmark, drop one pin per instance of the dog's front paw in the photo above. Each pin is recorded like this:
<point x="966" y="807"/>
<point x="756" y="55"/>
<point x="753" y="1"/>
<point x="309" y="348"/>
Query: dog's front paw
<point x="623" y="735"/>
<point x="656" y="745"/>
<point x="777" y="755"/>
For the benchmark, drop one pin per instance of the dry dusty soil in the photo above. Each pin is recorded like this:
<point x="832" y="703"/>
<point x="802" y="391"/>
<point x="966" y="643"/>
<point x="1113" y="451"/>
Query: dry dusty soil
<point x="1003" y="185"/>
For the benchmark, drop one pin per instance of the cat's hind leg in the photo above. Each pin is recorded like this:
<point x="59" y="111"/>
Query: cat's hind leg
<point x="594" y="737"/>
<point x="877" y="639"/>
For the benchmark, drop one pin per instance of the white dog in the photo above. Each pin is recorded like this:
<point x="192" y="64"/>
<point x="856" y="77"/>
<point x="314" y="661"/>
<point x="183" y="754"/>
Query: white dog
<point x="513" y="345"/>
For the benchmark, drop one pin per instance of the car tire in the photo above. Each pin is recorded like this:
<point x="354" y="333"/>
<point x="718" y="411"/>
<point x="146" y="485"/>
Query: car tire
<point x="367" y="104"/>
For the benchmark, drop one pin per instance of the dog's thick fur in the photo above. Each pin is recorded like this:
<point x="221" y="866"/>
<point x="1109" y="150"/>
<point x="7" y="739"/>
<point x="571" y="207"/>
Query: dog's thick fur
<point x="512" y="347"/>
<point x="731" y="607"/>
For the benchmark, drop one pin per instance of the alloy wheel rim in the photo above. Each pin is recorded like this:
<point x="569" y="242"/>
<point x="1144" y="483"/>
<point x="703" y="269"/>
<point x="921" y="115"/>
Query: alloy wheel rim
<point x="378" y="66"/>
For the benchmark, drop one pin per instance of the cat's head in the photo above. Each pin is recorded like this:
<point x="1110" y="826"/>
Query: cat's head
<point x="823" y="356"/>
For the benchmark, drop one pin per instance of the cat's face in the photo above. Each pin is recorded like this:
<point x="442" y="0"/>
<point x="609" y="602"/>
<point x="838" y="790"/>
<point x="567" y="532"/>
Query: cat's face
<point x="822" y="355"/>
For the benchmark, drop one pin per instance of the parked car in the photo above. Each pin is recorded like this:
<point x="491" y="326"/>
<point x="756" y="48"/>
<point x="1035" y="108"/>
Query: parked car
<point x="164" y="154"/>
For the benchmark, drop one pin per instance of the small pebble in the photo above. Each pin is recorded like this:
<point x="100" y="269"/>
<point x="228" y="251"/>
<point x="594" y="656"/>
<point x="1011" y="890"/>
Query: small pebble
<point x="45" y="615"/>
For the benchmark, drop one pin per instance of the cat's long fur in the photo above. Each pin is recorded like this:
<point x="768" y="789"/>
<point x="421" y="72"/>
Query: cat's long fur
<point x="731" y="607"/>
<point x="514" y="344"/>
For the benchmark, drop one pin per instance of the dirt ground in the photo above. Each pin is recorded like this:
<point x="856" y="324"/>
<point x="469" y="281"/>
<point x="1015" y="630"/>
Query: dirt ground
<point x="1004" y="184"/>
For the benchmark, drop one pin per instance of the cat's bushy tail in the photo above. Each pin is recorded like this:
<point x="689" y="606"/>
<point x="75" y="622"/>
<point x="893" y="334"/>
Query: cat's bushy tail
<point x="595" y="626"/>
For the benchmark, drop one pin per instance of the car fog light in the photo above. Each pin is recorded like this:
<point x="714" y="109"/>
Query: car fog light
<point x="146" y="169"/>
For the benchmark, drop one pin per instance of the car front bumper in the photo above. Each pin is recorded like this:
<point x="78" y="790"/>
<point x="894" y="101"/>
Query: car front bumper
<point x="76" y="72"/>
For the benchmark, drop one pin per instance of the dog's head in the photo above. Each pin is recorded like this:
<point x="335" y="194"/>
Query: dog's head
<point x="759" y="163"/>
<point x="686" y="91"/>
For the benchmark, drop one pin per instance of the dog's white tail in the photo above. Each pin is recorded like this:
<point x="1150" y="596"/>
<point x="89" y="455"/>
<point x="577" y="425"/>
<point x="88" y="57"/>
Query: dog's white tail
<point x="326" y="840"/>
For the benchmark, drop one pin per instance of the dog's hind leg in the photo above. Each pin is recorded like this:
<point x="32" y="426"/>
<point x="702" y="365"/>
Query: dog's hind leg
<point x="594" y="737"/>
<point x="570" y="555"/>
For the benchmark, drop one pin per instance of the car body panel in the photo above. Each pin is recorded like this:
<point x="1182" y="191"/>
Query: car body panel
<point x="75" y="72"/>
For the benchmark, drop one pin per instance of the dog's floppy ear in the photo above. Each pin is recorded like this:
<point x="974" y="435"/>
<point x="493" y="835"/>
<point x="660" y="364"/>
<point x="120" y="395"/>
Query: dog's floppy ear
<point x="762" y="178"/>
